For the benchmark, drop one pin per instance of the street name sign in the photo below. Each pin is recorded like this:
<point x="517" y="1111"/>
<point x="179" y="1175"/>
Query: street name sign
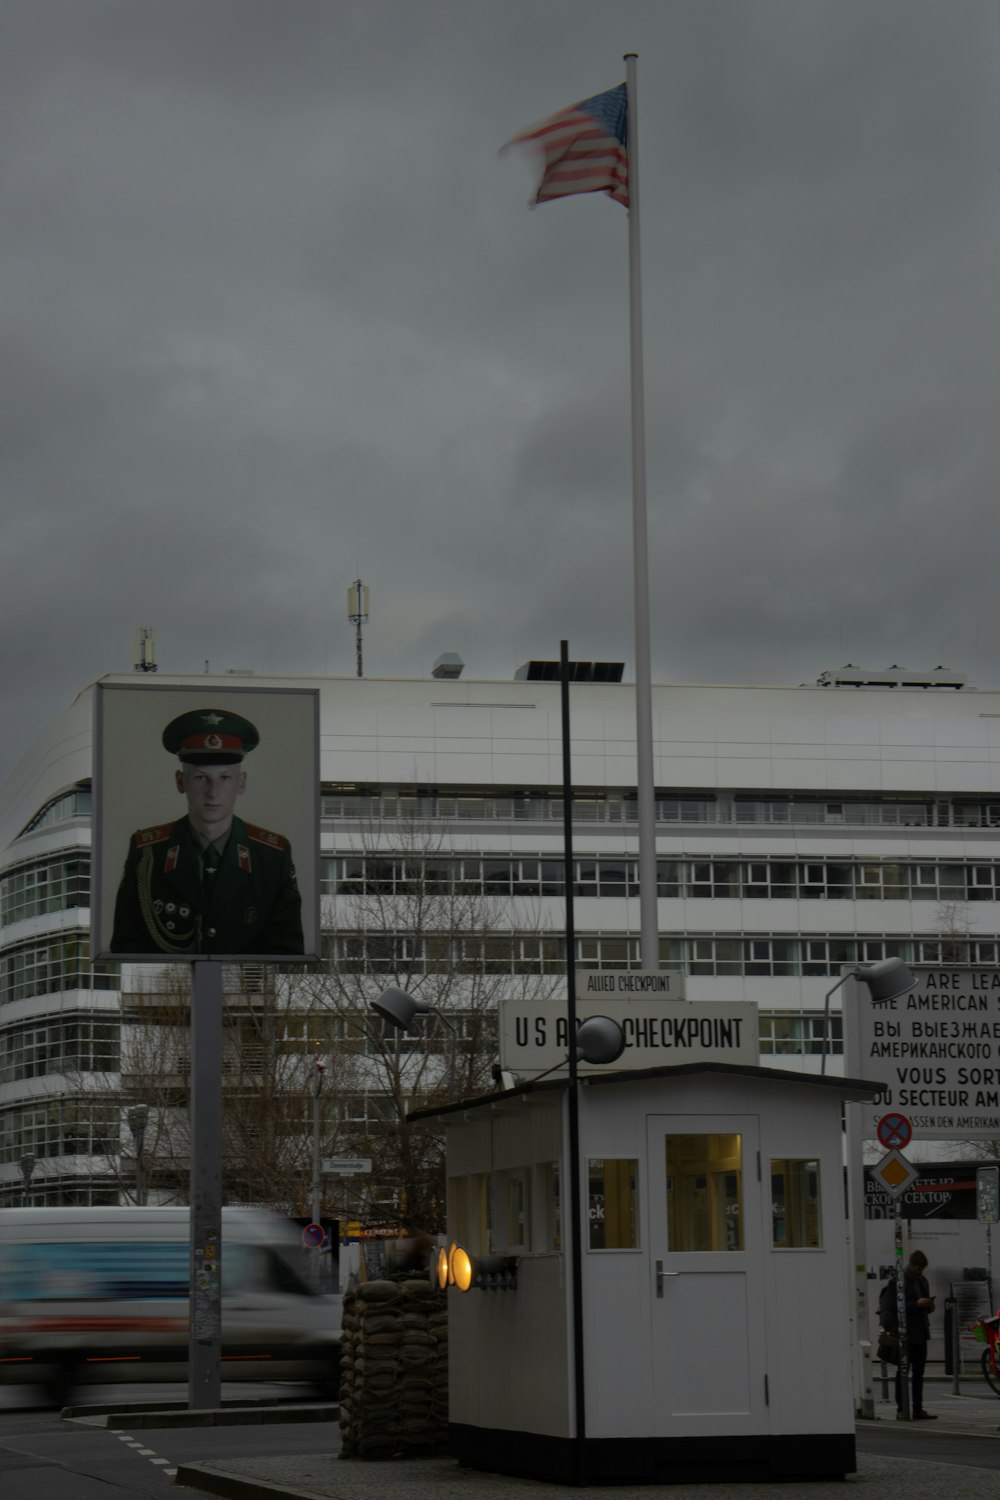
<point x="346" y="1166"/>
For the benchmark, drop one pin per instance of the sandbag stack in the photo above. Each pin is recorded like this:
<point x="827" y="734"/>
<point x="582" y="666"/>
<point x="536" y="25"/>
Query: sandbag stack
<point x="394" y="1369"/>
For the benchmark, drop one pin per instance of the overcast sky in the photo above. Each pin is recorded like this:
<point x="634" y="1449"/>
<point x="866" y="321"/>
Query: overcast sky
<point x="276" y="315"/>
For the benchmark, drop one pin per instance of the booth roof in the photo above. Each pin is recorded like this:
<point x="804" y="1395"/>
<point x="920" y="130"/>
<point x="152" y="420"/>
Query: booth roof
<point x="854" y="1089"/>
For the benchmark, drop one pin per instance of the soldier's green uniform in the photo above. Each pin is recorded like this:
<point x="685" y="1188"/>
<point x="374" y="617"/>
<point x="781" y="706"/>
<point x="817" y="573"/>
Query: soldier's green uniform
<point x="181" y="893"/>
<point x="167" y="905"/>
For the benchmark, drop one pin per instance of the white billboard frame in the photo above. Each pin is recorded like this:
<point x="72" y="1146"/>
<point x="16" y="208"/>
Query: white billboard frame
<point x="134" y="789"/>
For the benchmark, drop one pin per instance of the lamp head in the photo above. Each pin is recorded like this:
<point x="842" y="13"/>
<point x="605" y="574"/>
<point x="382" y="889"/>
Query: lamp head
<point x="599" y="1040"/>
<point x="399" y="1008"/>
<point x="886" y="978"/>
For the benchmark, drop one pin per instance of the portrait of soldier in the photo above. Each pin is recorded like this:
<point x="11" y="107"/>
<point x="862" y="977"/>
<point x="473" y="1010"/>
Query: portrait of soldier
<point x="208" y="882"/>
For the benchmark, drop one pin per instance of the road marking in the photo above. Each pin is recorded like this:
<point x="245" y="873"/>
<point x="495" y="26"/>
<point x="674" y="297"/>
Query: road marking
<point x="141" y="1452"/>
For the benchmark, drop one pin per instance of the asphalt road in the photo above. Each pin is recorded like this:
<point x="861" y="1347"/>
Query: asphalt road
<point x="888" y="1441"/>
<point x="43" y="1457"/>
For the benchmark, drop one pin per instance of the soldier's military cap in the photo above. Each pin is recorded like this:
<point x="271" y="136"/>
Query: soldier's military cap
<point x="210" y="737"/>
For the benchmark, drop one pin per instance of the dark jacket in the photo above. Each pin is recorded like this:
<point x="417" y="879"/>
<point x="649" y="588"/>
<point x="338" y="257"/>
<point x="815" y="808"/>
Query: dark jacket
<point x="918" y="1325"/>
<point x="251" y="905"/>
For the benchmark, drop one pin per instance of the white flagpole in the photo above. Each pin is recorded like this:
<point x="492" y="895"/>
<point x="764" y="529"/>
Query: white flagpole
<point x="649" y="938"/>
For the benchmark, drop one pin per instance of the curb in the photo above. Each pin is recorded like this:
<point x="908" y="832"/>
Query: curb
<point x="233" y="1416"/>
<point x="236" y="1487"/>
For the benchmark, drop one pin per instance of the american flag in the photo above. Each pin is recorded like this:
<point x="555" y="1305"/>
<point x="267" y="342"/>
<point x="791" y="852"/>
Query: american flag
<point x="585" y="148"/>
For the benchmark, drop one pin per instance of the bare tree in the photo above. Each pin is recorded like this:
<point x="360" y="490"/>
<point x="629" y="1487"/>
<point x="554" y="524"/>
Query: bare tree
<point x="271" y="1041"/>
<point x="410" y="914"/>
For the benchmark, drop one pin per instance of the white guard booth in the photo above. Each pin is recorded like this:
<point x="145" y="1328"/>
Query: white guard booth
<point x="716" y="1300"/>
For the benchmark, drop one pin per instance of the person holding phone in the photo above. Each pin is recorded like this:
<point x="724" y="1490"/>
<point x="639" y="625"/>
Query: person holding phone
<point x="919" y="1306"/>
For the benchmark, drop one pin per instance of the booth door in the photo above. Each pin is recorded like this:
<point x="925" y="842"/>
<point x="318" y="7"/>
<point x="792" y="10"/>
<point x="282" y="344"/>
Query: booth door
<point x="706" y="1258"/>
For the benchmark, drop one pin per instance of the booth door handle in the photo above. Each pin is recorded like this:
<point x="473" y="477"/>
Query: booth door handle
<point x="660" y="1273"/>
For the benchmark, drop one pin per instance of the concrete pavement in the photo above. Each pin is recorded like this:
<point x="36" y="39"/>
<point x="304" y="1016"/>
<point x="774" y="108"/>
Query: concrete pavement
<point x="327" y="1477"/>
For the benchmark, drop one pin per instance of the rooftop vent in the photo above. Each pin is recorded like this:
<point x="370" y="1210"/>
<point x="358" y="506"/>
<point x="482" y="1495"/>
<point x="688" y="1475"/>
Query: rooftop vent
<point x="448" y="664"/>
<point x="579" y="671"/>
<point x="891" y="677"/>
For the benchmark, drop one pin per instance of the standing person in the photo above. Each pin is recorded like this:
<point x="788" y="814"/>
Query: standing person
<point x="919" y="1306"/>
<point x="208" y="882"/>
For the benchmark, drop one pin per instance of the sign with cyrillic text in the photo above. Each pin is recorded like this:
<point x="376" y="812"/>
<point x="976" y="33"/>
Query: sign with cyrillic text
<point x="534" y="1036"/>
<point x="936" y="1049"/>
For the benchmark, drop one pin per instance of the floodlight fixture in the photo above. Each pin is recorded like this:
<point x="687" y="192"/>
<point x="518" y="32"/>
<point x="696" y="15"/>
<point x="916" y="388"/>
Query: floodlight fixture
<point x="400" y="1010"/>
<point x="885" y="979"/>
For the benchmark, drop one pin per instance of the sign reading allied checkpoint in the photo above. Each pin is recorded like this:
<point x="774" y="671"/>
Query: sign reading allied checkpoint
<point x="937" y="1051"/>
<point x="658" y="1033"/>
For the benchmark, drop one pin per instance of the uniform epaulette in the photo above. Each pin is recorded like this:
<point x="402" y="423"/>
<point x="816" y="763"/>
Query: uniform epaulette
<point x="265" y="836"/>
<point x="155" y="835"/>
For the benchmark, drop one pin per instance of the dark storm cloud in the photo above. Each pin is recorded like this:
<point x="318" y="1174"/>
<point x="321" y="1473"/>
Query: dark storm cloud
<point x="274" y="315"/>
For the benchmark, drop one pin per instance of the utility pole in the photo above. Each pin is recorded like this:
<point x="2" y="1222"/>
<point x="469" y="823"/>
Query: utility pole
<point x="320" y="1069"/>
<point x="138" y="1117"/>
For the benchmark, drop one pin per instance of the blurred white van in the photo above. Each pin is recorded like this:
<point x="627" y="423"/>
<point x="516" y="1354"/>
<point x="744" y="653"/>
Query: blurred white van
<point x="91" y="1295"/>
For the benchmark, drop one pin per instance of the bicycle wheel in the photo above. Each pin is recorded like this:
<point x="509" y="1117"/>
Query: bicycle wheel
<point x="990" y="1372"/>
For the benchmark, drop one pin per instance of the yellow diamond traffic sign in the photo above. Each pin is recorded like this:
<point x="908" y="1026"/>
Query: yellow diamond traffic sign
<point x="895" y="1173"/>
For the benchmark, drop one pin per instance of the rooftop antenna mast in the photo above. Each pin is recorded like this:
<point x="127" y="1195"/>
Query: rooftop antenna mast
<point x="357" y="613"/>
<point x="144" y="649"/>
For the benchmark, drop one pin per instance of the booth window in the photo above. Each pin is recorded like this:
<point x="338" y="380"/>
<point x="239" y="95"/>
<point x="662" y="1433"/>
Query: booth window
<point x="515" y="1232"/>
<point x="552" y="1205"/>
<point x="795" y="1203"/>
<point x="469" y="1211"/>
<point x="704" y="1192"/>
<point x="612" y="1203"/>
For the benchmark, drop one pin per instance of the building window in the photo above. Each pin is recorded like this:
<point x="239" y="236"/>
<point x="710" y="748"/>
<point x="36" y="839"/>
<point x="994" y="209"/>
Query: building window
<point x="59" y="962"/>
<point x="612" y="1203"/>
<point x="72" y="804"/>
<point x="704" y="1192"/>
<point x="60" y="1044"/>
<point x="801" y="1034"/>
<point x="795" y="1221"/>
<point x="61" y="1127"/>
<point x="41" y="886"/>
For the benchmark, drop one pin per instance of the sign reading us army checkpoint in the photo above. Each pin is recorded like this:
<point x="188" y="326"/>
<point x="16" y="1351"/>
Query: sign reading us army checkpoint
<point x="937" y="1051"/>
<point x="658" y="1033"/>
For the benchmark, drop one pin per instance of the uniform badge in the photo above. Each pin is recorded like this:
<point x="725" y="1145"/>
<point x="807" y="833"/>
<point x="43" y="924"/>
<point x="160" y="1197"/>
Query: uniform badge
<point x="244" y="858"/>
<point x="173" y="855"/>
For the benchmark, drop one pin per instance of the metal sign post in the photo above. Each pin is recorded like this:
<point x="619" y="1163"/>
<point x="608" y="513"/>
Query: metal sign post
<point x="903" y="1378"/>
<point x="205" y="1302"/>
<point x="896" y="1174"/>
<point x="987" y="1212"/>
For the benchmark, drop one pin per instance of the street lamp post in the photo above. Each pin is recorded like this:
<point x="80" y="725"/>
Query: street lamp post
<point x="27" y="1165"/>
<point x="138" y="1118"/>
<point x="317" y="1089"/>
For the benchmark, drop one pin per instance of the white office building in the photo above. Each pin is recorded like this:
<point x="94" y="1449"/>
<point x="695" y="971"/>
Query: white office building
<point x="798" y="828"/>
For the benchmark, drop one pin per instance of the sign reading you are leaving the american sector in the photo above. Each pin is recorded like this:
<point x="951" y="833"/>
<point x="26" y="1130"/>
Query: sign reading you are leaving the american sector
<point x="937" y="1050"/>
